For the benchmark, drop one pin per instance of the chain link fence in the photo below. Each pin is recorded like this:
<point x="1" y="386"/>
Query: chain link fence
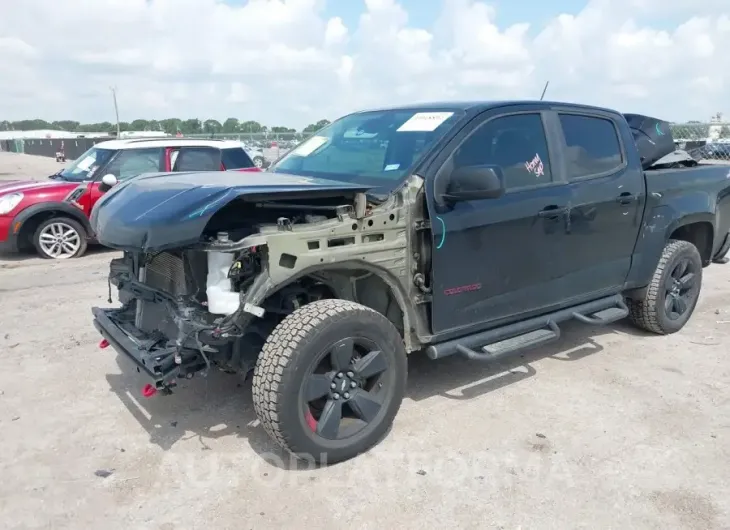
<point x="709" y="142"/>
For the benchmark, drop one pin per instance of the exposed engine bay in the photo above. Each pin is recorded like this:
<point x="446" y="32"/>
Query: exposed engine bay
<point x="216" y="303"/>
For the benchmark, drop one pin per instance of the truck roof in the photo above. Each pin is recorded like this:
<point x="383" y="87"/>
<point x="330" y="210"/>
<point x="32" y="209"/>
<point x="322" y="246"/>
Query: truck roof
<point x="481" y="105"/>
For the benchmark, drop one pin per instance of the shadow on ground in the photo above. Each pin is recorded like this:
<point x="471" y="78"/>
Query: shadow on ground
<point x="9" y="258"/>
<point x="220" y="405"/>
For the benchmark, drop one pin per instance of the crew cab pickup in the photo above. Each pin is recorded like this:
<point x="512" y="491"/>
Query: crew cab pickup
<point x="446" y="229"/>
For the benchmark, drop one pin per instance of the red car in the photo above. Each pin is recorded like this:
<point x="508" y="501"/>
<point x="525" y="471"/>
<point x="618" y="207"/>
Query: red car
<point x="52" y="216"/>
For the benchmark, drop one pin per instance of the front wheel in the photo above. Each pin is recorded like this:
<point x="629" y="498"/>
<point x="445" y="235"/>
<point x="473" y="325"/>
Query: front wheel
<point x="60" y="238"/>
<point x="258" y="162"/>
<point x="673" y="292"/>
<point x="330" y="380"/>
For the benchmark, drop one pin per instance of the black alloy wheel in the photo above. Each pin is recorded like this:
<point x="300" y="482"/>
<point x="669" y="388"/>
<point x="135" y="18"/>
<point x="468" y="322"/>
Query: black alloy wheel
<point x="680" y="289"/>
<point x="347" y="388"/>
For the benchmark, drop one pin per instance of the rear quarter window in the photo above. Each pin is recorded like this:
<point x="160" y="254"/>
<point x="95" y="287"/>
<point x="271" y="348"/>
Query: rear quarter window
<point x="235" y="158"/>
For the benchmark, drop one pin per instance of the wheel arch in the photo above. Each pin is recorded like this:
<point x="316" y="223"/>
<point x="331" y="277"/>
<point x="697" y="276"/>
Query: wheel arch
<point x="698" y="230"/>
<point x="342" y="279"/>
<point x="33" y="216"/>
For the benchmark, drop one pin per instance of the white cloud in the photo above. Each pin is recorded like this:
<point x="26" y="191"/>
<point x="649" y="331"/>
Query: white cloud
<point x="287" y="62"/>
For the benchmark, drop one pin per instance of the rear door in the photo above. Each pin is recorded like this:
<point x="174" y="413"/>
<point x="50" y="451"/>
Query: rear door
<point x="607" y="201"/>
<point x="495" y="259"/>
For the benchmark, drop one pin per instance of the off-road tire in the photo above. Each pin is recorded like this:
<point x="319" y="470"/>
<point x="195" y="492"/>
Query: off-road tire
<point x="648" y="313"/>
<point x="291" y="350"/>
<point x="83" y="242"/>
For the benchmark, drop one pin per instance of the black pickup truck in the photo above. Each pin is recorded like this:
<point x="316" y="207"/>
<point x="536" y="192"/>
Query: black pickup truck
<point x="472" y="229"/>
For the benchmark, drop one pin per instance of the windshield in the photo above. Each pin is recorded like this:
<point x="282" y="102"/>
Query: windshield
<point x="375" y="148"/>
<point x="83" y="167"/>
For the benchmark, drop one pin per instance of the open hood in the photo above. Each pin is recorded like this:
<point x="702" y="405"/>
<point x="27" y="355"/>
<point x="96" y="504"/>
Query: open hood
<point x="158" y="211"/>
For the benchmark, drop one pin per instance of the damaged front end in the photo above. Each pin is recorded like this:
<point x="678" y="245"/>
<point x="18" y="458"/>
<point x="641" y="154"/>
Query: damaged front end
<point x="214" y="302"/>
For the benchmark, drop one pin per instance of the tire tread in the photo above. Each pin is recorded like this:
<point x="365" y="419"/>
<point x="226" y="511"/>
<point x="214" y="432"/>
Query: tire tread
<point x="644" y="313"/>
<point x="278" y="355"/>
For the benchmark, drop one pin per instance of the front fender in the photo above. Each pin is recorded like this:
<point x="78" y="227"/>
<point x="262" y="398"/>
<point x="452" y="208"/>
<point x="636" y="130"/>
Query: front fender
<point x="63" y="208"/>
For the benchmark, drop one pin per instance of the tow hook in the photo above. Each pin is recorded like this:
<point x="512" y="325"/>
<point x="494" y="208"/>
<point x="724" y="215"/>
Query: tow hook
<point x="103" y="344"/>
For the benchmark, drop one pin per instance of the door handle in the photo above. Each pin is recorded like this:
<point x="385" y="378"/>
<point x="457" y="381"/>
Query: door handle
<point x="552" y="212"/>
<point x="626" y="198"/>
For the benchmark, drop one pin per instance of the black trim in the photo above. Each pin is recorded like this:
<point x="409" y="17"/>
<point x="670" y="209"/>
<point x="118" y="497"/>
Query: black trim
<point x="158" y="363"/>
<point x="66" y="208"/>
<point x="10" y="245"/>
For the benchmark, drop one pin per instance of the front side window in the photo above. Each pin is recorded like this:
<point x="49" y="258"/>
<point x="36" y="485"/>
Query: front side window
<point x="592" y="145"/>
<point x="515" y="143"/>
<point x="132" y="162"/>
<point x="375" y="148"/>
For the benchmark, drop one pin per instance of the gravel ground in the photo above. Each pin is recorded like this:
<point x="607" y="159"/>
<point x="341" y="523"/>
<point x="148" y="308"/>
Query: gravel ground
<point x="610" y="428"/>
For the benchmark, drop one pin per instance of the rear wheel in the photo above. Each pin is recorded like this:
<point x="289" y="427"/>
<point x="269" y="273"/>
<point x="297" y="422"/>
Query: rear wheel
<point x="673" y="292"/>
<point x="258" y="161"/>
<point x="60" y="238"/>
<point x="330" y="380"/>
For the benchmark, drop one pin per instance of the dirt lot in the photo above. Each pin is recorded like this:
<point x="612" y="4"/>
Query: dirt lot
<point x="609" y="428"/>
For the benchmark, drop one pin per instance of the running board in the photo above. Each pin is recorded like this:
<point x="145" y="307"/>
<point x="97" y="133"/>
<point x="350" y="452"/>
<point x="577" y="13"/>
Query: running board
<point x="605" y="316"/>
<point x="528" y="340"/>
<point x="488" y="345"/>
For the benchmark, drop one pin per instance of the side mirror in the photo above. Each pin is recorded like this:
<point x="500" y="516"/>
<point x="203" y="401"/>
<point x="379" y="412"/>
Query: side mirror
<point x="107" y="182"/>
<point x="473" y="183"/>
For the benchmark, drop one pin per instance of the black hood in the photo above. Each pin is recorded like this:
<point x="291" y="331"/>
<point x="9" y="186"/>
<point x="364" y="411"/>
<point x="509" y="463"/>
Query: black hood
<point x="158" y="211"/>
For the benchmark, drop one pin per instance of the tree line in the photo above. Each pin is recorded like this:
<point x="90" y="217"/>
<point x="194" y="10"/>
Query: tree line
<point x="169" y="126"/>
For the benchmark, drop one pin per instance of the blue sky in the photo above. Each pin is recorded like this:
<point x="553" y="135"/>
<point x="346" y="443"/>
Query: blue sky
<point x="281" y="61"/>
<point x="423" y="13"/>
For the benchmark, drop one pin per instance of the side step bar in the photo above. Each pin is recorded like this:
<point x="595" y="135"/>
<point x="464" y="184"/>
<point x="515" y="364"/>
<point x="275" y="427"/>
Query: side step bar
<point x="530" y="333"/>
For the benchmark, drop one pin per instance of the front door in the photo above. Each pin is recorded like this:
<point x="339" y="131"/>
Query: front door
<point x="494" y="259"/>
<point x="126" y="164"/>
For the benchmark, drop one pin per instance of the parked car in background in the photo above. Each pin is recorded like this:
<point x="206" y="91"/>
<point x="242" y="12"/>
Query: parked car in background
<point x="255" y="154"/>
<point x="52" y="215"/>
<point x="716" y="150"/>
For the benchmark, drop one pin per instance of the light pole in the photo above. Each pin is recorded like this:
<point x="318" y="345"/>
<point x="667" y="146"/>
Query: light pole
<point x="116" y="108"/>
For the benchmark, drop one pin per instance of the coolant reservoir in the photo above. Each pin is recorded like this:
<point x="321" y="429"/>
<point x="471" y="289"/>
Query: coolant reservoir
<point x="222" y="300"/>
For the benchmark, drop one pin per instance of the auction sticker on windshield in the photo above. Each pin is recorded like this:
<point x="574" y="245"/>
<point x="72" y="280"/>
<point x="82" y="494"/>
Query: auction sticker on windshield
<point x="425" y="121"/>
<point x="310" y="146"/>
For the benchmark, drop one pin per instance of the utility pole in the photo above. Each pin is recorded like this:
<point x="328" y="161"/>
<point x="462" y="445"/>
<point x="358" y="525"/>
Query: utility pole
<point x="116" y="108"/>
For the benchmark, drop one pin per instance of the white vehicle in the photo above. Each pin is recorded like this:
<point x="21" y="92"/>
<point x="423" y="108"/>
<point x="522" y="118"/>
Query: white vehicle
<point x="255" y="154"/>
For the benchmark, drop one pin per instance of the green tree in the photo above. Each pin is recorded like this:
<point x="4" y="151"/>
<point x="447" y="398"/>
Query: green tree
<point x="282" y="130"/>
<point x="252" y="127"/>
<point x="66" y="125"/>
<point x="212" y="126"/>
<point x="231" y="125"/>
<point x="314" y="127"/>
<point x="139" y="125"/>
<point x="725" y="131"/>
<point x="171" y="125"/>
<point x="191" y="126"/>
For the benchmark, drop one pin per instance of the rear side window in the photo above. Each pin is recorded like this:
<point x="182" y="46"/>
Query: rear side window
<point x="593" y="145"/>
<point x="198" y="159"/>
<point x="235" y="158"/>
